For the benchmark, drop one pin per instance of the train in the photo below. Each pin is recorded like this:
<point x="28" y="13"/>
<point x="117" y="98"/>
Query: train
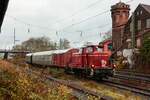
<point x="89" y="60"/>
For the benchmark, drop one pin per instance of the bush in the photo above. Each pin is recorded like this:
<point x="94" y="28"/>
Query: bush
<point x="17" y="84"/>
<point x="145" y="51"/>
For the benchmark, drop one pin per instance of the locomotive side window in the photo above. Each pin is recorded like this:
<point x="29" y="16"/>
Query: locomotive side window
<point x="80" y="50"/>
<point x="89" y="50"/>
<point x="100" y="50"/>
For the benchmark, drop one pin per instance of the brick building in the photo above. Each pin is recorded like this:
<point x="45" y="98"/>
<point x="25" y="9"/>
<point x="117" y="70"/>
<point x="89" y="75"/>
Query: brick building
<point x="135" y="28"/>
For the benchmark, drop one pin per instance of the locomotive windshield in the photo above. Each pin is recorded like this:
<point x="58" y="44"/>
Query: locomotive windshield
<point x="80" y="50"/>
<point x="89" y="50"/>
<point x="99" y="49"/>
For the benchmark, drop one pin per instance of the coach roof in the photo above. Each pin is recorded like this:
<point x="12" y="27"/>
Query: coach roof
<point x="50" y="52"/>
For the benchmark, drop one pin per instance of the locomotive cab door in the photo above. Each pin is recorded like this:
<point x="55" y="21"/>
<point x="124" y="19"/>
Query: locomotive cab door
<point x="87" y="59"/>
<point x="84" y="58"/>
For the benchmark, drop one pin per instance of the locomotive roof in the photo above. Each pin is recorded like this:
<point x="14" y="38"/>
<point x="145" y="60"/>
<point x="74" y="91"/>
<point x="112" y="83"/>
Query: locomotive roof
<point x="49" y="52"/>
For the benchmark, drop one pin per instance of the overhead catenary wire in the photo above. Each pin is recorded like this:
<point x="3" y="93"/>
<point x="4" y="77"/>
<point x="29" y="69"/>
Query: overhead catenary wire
<point x="97" y="35"/>
<point x="84" y="20"/>
<point x="41" y="27"/>
<point x="79" y="11"/>
<point x="91" y="17"/>
<point x="93" y="28"/>
<point x="29" y="24"/>
<point x="98" y="27"/>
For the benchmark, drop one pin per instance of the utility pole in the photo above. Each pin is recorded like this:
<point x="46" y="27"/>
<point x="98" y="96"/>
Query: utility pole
<point x="14" y="36"/>
<point x="81" y="33"/>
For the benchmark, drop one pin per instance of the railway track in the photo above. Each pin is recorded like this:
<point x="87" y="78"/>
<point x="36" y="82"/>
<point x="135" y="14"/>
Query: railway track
<point x="119" y="81"/>
<point x="139" y="78"/>
<point x="135" y="82"/>
<point x="114" y="82"/>
<point x="127" y="72"/>
<point x="78" y="90"/>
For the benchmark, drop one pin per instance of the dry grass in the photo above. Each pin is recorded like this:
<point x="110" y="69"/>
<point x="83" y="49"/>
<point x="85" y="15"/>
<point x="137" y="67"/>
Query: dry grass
<point x="111" y="91"/>
<point x="115" y="93"/>
<point x="17" y="84"/>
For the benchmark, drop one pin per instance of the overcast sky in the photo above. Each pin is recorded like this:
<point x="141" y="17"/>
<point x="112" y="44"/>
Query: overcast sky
<point x="36" y="18"/>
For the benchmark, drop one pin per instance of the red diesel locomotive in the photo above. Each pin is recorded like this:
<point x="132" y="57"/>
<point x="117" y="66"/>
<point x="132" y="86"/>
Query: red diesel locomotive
<point x="91" y="60"/>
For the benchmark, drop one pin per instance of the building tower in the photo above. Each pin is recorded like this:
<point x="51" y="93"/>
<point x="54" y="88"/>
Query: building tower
<point x="120" y="15"/>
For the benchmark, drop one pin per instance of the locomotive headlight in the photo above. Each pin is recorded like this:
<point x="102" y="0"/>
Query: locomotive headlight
<point x="92" y="66"/>
<point x="103" y="62"/>
<point x="115" y="65"/>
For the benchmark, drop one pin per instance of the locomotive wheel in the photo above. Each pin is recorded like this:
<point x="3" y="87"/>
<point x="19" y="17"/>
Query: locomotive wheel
<point x="68" y="70"/>
<point x="77" y="72"/>
<point x="97" y="78"/>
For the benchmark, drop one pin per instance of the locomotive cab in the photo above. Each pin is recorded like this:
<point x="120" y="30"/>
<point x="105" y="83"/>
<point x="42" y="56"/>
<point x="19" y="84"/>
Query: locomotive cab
<point x="96" y="60"/>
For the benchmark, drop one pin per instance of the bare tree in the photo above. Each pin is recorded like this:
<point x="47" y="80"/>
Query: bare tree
<point x="64" y="44"/>
<point x="37" y="44"/>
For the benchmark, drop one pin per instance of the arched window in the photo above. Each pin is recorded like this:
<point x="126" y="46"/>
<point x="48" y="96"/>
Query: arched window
<point x="139" y="24"/>
<point x="138" y="43"/>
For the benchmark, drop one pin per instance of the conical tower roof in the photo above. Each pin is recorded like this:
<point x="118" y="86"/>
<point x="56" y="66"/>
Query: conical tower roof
<point x="120" y="5"/>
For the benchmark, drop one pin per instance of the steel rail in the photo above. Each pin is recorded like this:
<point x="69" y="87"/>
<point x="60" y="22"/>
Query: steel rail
<point x="127" y="72"/>
<point x="79" y="88"/>
<point x="139" y="78"/>
<point x="129" y="87"/>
